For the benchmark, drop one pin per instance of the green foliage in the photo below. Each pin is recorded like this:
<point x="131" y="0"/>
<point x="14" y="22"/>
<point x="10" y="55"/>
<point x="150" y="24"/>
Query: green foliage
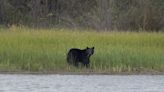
<point x="96" y="14"/>
<point x="45" y="50"/>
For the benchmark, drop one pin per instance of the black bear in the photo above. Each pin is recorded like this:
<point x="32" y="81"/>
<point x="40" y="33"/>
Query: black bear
<point x="76" y="56"/>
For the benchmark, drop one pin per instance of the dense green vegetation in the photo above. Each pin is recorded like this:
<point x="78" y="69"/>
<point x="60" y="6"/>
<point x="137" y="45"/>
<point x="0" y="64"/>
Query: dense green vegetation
<point x="96" y="14"/>
<point x="37" y="50"/>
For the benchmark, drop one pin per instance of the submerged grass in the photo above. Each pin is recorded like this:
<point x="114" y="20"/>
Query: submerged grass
<point x="36" y="50"/>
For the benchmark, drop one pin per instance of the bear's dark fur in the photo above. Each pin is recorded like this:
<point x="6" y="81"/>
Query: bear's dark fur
<point x="76" y="56"/>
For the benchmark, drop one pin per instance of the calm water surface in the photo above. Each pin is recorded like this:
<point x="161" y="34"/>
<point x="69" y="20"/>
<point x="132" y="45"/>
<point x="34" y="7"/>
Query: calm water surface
<point x="81" y="83"/>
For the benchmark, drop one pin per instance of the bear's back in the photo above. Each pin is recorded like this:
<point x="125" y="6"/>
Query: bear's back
<point x="78" y="53"/>
<point x="75" y="51"/>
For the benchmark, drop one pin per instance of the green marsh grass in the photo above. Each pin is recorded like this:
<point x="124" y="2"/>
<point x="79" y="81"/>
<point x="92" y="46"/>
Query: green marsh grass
<point x="37" y="50"/>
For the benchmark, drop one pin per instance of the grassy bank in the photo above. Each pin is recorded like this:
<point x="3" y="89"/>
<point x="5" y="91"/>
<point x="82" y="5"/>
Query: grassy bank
<point x="23" y="49"/>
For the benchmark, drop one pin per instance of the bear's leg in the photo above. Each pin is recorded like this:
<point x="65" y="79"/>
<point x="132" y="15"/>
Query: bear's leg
<point x="69" y="58"/>
<point x="76" y="64"/>
<point x="86" y="63"/>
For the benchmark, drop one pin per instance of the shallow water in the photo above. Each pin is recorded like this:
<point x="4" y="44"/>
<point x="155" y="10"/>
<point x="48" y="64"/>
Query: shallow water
<point x="81" y="83"/>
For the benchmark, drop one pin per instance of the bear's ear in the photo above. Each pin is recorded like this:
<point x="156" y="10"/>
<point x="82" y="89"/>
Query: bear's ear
<point x="93" y="47"/>
<point x="87" y="48"/>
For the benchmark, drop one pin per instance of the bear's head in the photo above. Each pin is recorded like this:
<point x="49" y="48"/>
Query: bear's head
<point x="89" y="51"/>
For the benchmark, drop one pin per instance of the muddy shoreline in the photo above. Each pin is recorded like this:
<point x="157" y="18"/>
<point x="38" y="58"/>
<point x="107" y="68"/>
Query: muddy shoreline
<point x="84" y="73"/>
